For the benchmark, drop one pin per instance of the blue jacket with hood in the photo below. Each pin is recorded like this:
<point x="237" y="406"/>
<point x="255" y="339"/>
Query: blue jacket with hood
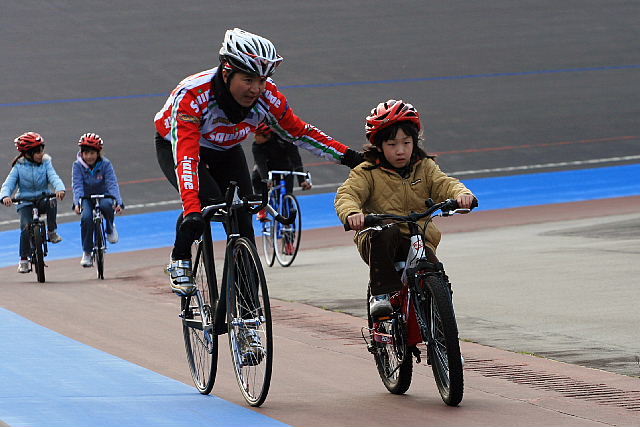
<point x="31" y="179"/>
<point x="101" y="179"/>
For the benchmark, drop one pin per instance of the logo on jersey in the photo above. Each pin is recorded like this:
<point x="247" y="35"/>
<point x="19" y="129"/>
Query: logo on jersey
<point x="187" y="173"/>
<point x="273" y="100"/>
<point x="187" y="118"/>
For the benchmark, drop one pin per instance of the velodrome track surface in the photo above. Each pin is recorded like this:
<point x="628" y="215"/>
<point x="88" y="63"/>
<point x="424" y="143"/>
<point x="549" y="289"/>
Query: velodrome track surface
<point x="505" y="88"/>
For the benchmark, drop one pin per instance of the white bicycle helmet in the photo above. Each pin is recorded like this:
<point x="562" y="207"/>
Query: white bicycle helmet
<point x="249" y="53"/>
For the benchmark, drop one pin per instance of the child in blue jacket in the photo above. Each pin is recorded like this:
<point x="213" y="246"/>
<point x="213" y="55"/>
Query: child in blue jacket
<point x="32" y="173"/>
<point x="93" y="174"/>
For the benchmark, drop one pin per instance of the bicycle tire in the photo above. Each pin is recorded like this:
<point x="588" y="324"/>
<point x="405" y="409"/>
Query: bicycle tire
<point x="38" y="251"/>
<point x="287" y="237"/>
<point x="249" y="315"/>
<point x="200" y="339"/>
<point x="444" y="353"/>
<point x="99" y="245"/>
<point x="268" y="247"/>
<point x="393" y="361"/>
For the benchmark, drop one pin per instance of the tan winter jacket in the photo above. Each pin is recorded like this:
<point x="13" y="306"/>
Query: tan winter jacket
<point x="382" y="190"/>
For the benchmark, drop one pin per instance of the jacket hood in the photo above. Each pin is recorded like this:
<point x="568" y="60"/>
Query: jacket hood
<point x="84" y="164"/>
<point x="24" y="160"/>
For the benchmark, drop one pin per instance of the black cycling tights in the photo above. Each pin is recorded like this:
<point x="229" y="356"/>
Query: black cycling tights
<point x="215" y="171"/>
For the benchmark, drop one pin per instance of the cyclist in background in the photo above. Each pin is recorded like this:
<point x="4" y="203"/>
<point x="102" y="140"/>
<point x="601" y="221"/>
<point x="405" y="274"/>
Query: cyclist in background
<point x="32" y="173"/>
<point x="396" y="178"/>
<point x="271" y="152"/>
<point x="202" y="123"/>
<point x="94" y="174"/>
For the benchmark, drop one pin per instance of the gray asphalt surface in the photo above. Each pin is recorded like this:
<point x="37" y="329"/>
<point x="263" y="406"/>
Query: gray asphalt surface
<point x="499" y="83"/>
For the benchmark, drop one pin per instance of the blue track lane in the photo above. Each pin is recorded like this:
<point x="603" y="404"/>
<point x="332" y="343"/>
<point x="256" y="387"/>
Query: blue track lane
<point x="155" y="230"/>
<point x="50" y="380"/>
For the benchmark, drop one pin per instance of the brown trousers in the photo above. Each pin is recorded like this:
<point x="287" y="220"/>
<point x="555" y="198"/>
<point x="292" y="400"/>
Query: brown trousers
<point x="380" y="249"/>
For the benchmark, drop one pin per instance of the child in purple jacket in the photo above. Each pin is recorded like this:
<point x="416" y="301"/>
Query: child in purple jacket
<point x="93" y="174"/>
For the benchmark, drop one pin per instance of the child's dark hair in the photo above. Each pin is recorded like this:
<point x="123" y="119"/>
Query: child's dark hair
<point x="28" y="154"/>
<point x="373" y="155"/>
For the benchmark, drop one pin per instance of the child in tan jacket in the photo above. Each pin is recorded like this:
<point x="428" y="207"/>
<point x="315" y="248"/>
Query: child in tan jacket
<point x="396" y="178"/>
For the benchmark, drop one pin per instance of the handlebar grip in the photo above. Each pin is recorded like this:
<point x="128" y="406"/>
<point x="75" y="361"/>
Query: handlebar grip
<point x="369" y="221"/>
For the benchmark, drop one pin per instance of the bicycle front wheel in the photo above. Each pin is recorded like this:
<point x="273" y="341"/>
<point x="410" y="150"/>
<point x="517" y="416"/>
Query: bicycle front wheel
<point x="38" y="251"/>
<point x="268" y="228"/>
<point x="287" y="237"/>
<point x="99" y="245"/>
<point x="390" y="351"/>
<point x="444" y="351"/>
<point x="200" y="339"/>
<point x="249" y="322"/>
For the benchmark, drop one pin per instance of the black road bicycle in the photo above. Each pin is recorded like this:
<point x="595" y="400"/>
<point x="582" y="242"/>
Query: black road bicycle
<point x="37" y="234"/>
<point x="238" y="305"/>
<point x="422" y="309"/>
<point x="99" y="232"/>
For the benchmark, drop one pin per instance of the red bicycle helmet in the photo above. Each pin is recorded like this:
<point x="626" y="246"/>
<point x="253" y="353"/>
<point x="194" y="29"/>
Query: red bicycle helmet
<point x="263" y="129"/>
<point x="28" y="141"/>
<point x="91" y="140"/>
<point x="388" y="113"/>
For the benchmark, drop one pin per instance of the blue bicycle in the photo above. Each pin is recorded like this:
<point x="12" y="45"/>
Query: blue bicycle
<point x="282" y="241"/>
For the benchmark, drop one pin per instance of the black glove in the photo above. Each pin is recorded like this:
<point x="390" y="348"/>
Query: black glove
<point x="352" y="158"/>
<point x="193" y="225"/>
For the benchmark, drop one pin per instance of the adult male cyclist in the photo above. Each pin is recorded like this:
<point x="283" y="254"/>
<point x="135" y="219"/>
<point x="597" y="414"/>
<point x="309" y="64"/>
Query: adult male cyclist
<point x="204" y="120"/>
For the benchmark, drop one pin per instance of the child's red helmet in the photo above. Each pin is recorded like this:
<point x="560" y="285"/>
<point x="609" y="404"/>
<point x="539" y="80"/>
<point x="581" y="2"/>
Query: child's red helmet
<point x="388" y="113"/>
<point x="91" y="140"/>
<point x="28" y="141"/>
<point x="263" y="129"/>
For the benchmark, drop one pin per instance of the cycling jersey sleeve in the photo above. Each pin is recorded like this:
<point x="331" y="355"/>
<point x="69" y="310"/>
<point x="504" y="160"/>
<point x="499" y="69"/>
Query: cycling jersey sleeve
<point x="186" y="119"/>
<point x="290" y="127"/>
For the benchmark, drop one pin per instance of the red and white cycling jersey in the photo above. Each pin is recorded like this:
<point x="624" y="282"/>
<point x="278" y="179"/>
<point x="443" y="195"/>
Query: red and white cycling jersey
<point x="191" y="117"/>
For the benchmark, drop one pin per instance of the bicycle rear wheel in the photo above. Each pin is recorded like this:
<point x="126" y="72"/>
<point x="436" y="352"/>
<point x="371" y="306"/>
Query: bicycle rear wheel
<point x="99" y="245"/>
<point x="200" y="339"/>
<point x="287" y="237"/>
<point x="38" y="251"/>
<point x="389" y="348"/>
<point x="249" y="322"/>
<point x="444" y="352"/>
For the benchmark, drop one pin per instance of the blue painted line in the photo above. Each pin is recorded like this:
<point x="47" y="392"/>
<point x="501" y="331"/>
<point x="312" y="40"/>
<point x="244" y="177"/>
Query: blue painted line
<point x="50" y="380"/>
<point x="353" y="83"/>
<point x="156" y="230"/>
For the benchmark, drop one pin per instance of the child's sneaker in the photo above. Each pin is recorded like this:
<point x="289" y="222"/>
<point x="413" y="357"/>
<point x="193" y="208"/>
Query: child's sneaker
<point x="23" y="266"/>
<point x="113" y="237"/>
<point x="262" y="215"/>
<point x="54" y="237"/>
<point x="86" y="260"/>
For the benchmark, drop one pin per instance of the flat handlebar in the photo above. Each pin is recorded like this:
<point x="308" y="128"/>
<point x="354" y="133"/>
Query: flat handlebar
<point x="252" y="203"/>
<point x="43" y="196"/>
<point x="448" y="207"/>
